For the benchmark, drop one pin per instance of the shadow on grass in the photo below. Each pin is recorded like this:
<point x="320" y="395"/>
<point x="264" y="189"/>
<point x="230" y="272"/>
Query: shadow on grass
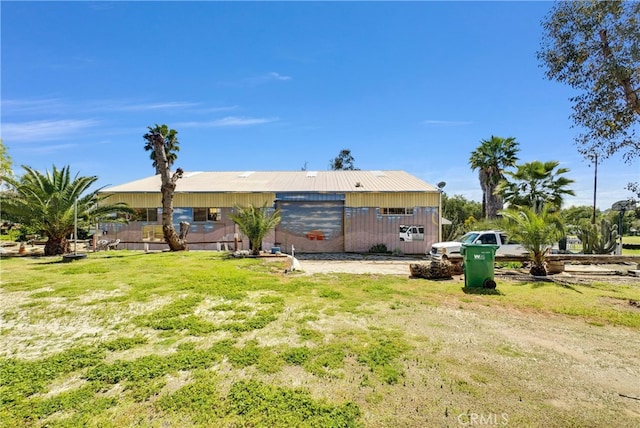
<point x="482" y="291"/>
<point x="545" y="281"/>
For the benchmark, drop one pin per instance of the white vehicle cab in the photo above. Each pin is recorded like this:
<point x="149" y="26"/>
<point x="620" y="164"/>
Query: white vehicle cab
<point x="411" y="233"/>
<point x="494" y="237"/>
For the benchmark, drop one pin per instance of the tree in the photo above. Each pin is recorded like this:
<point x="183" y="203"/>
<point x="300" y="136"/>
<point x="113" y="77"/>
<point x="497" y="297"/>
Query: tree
<point x="255" y="223"/>
<point x="491" y="159"/>
<point x="344" y="161"/>
<point x="535" y="184"/>
<point x="171" y="145"/>
<point x="574" y="215"/>
<point x="594" y="47"/>
<point x="163" y="143"/>
<point x="461" y="212"/>
<point x="5" y="163"/>
<point x="536" y="232"/>
<point x="46" y="202"/>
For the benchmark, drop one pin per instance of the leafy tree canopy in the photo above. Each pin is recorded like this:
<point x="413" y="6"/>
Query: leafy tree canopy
<point x="344" y="161"/>
<point x="461" y="212"/>
<point x="5" y="163"/>
<point x="594" y="46"/>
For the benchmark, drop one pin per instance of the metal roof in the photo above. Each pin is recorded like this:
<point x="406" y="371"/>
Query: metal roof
<point x="283" y="181"/>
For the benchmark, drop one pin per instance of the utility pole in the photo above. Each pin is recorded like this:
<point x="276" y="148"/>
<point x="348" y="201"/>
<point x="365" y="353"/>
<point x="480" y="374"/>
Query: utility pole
<point x="595" y="186"/>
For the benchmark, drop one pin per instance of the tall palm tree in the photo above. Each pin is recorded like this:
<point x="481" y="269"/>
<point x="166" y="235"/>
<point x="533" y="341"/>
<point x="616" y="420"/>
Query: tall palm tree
<point x="255" y="223"/>
<point x="535" y="184"/>
<point x="47" y="203"/>
<point x="163" y="143"/>
<point x="490" y="159"/>
<point x="536" y="232"/>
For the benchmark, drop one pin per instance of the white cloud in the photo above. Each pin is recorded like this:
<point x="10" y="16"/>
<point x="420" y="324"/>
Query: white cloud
<point x="49" y="149"/>
<point x="262" y="79"/>
<point x="229" y="121"/>
<point x="432" y="122"/>
<point x="31" y="106"/>
<point x="277" y="76"/>
<point x="44" y="130"/>
<point x="172" y="105"/>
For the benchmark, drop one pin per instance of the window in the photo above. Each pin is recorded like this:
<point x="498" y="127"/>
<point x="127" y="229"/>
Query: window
<point x="152" y="233"/>
<point x="144" y="214"/>
<point x="488" y="238"/>
<point x="207" y="214"/>
<point x="396" y="211"/>
<point x="152" y="214"/>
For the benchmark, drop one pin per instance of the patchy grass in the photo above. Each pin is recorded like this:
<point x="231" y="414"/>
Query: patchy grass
<point x="191" y="339"/>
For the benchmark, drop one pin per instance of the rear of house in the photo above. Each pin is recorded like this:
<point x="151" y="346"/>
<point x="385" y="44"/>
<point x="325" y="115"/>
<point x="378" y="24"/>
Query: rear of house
<point x="322" y="211"/>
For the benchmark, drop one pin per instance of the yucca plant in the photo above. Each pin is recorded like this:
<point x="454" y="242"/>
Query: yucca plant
<point x="46" y="202"/>
<point x="255" y="223"/>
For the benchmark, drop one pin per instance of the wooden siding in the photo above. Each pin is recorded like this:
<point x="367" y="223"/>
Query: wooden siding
<point x="393" y="200"/>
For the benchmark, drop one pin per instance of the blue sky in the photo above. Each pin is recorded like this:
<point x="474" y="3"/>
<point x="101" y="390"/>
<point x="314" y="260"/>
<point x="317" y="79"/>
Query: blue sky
<point x="411" y="86"/>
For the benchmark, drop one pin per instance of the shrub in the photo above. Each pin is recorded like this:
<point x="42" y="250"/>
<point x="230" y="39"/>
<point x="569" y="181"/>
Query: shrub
<point x="379" y="248"/>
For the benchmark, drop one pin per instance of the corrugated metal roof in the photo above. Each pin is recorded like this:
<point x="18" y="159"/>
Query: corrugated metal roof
<point x="284" y="181"/>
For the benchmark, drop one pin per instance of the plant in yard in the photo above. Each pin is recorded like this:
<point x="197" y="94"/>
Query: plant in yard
<point x="598" y="238"/>
<point x="378" y="248"/>
<point x="255" y="223"/>
<point x="47" y="203"/>
<point x="536" y="232"/>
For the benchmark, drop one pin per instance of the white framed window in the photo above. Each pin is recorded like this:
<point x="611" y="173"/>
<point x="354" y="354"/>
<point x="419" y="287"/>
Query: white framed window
<point x="396" y="211"/>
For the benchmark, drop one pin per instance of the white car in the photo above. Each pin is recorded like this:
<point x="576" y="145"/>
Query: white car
<point x="493" y="237"/>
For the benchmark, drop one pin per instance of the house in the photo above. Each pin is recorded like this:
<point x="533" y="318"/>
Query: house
<point x="322" y="211"/>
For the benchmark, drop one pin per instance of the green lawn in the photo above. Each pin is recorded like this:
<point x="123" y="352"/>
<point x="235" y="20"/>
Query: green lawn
<point x="125" y="338"/>
<point x="631" y="239"/>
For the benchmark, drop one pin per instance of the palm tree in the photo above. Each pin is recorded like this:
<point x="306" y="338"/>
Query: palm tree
<point x="255" y="223"/>
<point x="535" y="184"/>
<point x="46" y="202"/>
<point x="163" y="143"/>
<point x="536" y="232"/>
<point x="170" y="143"/>
<point x="490" y="159"/>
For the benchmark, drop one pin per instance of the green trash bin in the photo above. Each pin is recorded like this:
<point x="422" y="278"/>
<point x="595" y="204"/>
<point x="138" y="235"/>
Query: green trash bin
<point x="477" y="264"/>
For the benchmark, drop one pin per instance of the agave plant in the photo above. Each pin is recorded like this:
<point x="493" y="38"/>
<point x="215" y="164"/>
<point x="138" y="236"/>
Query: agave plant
<point x="47" y="203"/>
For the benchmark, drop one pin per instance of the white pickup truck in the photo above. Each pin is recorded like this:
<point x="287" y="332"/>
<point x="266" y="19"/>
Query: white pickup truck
<point x="494" y="237"/>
